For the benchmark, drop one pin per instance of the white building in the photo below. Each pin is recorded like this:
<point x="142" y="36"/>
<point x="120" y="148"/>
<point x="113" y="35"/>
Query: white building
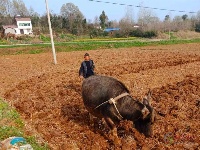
<point x="24" y="25"/>
<point x="10" y="29"/>
<point x="21" y="26"/>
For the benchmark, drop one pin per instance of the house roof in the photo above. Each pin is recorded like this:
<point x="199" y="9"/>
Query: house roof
<point x="23" y="19"/>
<point x="111" y="29"/>
<point x="9" y="26"/>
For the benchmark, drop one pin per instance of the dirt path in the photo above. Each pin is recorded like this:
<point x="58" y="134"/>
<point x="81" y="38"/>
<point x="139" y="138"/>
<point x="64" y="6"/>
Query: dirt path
<point x="48" y="96"/>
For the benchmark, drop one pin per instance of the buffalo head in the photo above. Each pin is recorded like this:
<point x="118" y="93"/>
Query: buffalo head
<point x="144" y="124"/>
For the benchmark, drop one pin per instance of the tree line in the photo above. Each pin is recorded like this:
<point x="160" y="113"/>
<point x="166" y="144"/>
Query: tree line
<point x="71" y="20"/>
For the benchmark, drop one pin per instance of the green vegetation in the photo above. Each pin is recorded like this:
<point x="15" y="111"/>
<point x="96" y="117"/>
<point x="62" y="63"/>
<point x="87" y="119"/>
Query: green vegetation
<point x="12" y="125"/>
<point x="3" y="42"/>
<point x="197" y="27"/>
<point x="143" y="34"/>
<point x="105" y="39"/>
<point x="88" y="45"/>
<point x="45" y="38"/>
<point x="172" y="37"/>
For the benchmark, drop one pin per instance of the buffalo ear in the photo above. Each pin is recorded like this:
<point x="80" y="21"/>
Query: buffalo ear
<point x="145" y="102"/>
<point x="147" y="98"/>
<point x="149" y="94"/>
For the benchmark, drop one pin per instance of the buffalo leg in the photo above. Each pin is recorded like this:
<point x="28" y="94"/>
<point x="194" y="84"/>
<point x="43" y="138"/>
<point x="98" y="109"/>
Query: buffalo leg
<point x="91" y="119"/>
<point x="113" y="128"/>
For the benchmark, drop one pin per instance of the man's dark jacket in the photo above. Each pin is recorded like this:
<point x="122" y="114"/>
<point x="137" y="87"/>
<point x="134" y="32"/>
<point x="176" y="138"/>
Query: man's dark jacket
<point x="87" y="68"/>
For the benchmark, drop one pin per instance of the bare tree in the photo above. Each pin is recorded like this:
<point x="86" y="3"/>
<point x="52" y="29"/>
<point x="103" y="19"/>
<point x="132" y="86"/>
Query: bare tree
<point x="198" y="16"/>
<point x="129" y="15"/>
<point x="73" y="18"/>
<point x="125" y="27"/>
<point x="148" y="19"/>
<point x="96" y="22"/>
<point x="177" y="23"/>
<point x="181" y="23"/>
<point x="35" y="18"/>
<point x="197" y="22"/>
<point x="114" y="24"/>
<point x="126" y="24"/>
<point x="5" y="6"/>
<point x="167" y="23"/>
<point x="19" y="8"/>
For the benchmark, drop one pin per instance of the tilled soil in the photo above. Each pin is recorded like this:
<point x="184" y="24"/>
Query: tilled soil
<point x="49" y="96"/>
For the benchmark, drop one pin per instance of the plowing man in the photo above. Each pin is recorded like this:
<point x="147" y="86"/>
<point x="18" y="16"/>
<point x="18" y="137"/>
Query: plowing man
<point x="87" y="67"/>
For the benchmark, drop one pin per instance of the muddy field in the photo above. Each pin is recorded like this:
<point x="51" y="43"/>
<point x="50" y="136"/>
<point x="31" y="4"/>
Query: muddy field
<point x="48" y="96"/>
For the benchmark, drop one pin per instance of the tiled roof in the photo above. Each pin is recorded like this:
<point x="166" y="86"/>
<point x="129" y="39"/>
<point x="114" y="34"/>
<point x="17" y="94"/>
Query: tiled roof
<point x="9" y="26"/>
<point x="23" y="19"/>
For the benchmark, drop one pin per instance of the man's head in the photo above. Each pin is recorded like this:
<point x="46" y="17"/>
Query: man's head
<point x="87" y="56"/>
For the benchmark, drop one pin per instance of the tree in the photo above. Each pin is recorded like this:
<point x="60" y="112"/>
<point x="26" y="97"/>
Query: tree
<point x="197" y="27"/>
<point x="126" y="24"/>
<point x="103" y="20"/>
<point x="184" y="17"/>
<point x="198" y="16"/>
<point x="125" y="27"/>
<point x="180" y="24"/>
<point x="19" y="8"/>
<point x="113" y="24"/>
<point x="35" y="17"/>
<point x="177" y="23"/>
<point x="197" y="24"/>
<point x="167" y="23"/>
<point x="148" y="19"/>
<point x="44" y="24"/>
<point x="96" y="22"/>
<point x="72" y="18"/>
<point x="56" y="21"/>
<point x="167" y="18"/>
<point x="69" y="10"/>
<point x="5" y="6"/>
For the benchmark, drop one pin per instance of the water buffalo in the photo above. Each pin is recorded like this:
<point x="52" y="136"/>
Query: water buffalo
<point x="108" y="98"/>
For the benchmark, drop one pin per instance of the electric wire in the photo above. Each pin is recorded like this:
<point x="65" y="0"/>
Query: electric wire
<point x="161" y="9"/>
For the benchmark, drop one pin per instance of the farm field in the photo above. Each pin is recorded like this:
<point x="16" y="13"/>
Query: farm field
<point x="48" y="96"/>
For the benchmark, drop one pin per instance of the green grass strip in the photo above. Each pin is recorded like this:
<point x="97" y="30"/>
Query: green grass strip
<point x="89" y="45"/>
<point x="12" y="125"/>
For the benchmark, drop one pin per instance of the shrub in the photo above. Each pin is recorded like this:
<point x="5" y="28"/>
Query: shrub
<point x="67" y="37"/>
<point x="118" y="35"/>
<point x="3" y="42"/>
<point x="197" y="27"/>
<point x="96" y="33"/>
<point x="150" y="34"/>
<point x="136" y="33"/>
<point x="44" y="38"/>
<point x="105" y="33"/>
<point x="140" y="33"/>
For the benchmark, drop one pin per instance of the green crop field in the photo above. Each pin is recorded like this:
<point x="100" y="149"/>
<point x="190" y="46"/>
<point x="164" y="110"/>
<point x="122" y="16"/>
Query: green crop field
<point x="87" y="45"/>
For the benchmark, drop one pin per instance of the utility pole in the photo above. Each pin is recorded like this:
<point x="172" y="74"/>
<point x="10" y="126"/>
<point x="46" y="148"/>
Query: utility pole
<point x="169" y="26"/>
<point x="51" y="33"/>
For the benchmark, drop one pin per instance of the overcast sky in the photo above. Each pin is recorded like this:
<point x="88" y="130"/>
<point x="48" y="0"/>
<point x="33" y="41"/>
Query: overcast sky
<point x="90" y="9"/>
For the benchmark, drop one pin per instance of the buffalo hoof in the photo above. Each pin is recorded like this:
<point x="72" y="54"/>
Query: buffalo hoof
<point x="129" y="143"/>
<point x="117" y="142"/>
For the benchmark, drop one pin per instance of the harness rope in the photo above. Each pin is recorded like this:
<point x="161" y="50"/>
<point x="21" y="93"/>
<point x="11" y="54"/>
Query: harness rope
<point x="113" y="101"/>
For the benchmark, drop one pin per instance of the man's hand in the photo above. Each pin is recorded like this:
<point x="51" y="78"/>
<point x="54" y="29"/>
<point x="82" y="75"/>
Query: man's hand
<point x="81" y="77"/>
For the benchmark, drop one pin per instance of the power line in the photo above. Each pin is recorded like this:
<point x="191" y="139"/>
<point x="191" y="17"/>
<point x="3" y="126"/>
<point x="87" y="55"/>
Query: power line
<point x="162" y="9"/>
